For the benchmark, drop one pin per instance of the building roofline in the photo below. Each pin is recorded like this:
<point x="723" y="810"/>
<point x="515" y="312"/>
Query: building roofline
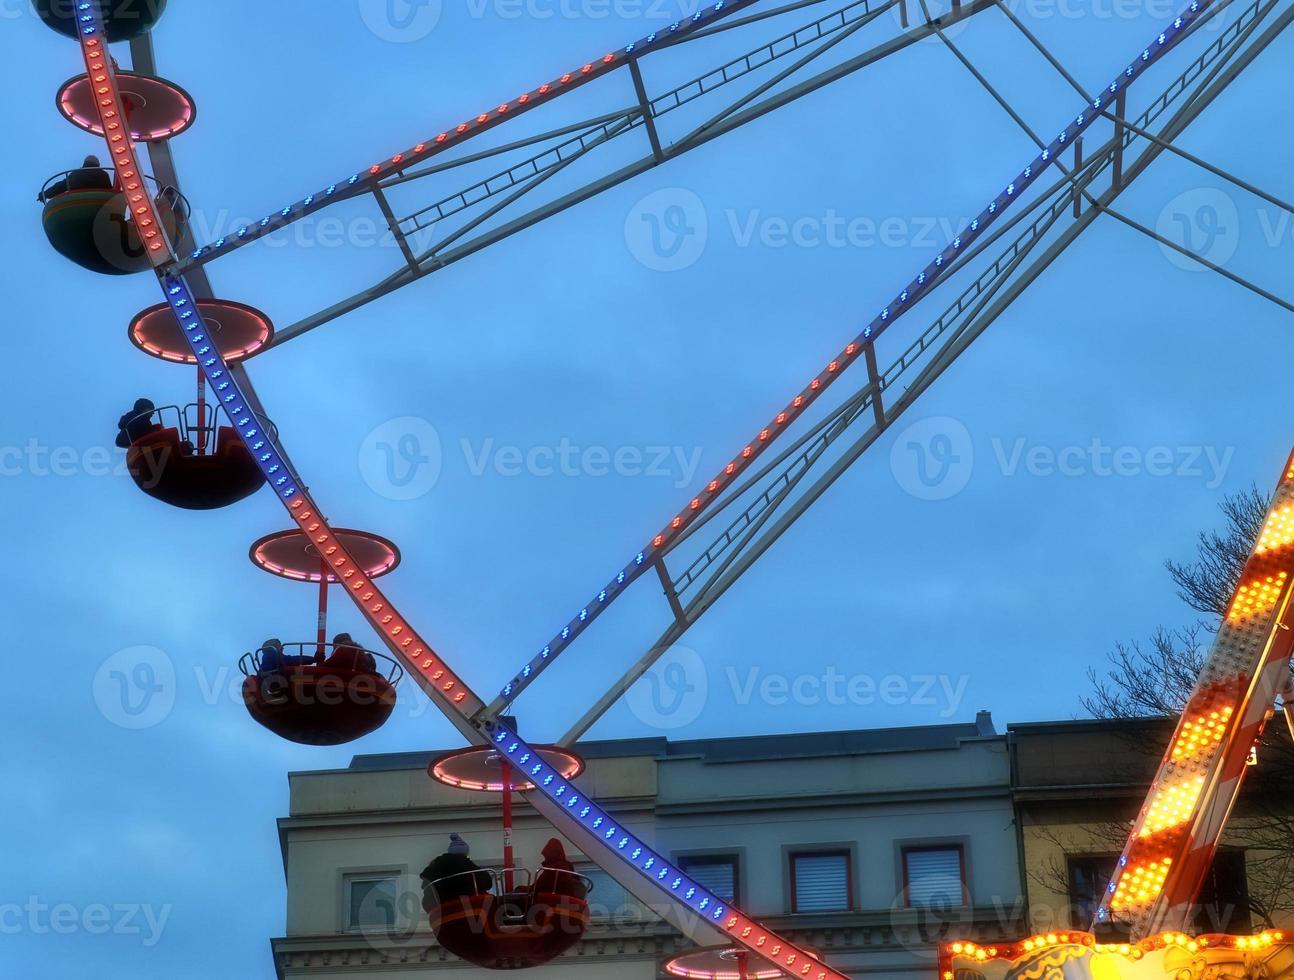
<point x="746" y="748"/>
<point x="1086" y="724"/>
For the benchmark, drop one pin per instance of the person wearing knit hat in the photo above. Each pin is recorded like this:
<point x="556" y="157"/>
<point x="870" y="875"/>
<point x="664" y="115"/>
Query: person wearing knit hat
<point x="558" y="875"/>
<point x="450" y="877"/>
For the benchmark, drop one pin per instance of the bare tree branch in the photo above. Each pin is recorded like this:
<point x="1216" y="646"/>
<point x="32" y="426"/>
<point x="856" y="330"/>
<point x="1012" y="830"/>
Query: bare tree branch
<point x="1208" y="583"/>
<point x="1155" y="679"/>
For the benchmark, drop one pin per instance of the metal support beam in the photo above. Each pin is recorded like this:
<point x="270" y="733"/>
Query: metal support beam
<point x="668" y="585"/>
<point x="874" y="380"/>
<point x="644" y="104"/>
<point x="989" y="308"/>
<point x="1121" y="111"/>
<point x="1196" y="257"/>
<point x="394" y="225"/>
<point x="729" y="124"/>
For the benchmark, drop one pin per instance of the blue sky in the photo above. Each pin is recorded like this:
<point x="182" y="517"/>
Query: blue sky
<point x="881" y="607"/>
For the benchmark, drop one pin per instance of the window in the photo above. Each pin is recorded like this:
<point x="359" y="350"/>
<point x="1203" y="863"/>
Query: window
<point x="608" y="899"/>
<point x="1089" y="874"/>
<point x="934" y="877"/>
<point x="1223" y="905"/>
<point x="715" y="872"/>
<point x="371" y="901"/>
<point x="822" y="882"/>
<point x="1224" y="900"/>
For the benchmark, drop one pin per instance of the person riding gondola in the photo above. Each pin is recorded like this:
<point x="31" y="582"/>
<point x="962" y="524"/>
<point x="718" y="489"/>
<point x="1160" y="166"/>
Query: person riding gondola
<point x="450" y="876"/>
<point x="348" y="655"/>
<point x="275" y="661"/>
<point x="557" y="876"/>
<point x="136" y="423"/>
<point x="90" y="176"/>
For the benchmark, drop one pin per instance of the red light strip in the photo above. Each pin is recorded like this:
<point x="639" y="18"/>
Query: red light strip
<point x="708" y="13"/>
<point x="394" y="629"/>
<point x="112" y="116"/>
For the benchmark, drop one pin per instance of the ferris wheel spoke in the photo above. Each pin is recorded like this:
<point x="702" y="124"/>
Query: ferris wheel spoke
<point x="913" y="293"/>
<point x="653" y="110"/>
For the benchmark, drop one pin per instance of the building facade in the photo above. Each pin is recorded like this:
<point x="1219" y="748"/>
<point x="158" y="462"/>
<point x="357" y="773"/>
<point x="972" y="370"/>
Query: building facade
<point x="1077" y="787"/>
<point x="868" y="846"/>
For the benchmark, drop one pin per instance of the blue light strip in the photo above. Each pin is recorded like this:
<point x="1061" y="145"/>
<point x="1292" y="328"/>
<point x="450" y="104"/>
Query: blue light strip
<point x="226" y="390"/>
<point x="630" y="849"/>
<point x="914" y="291"/>
<point x="636" y="855"/>
<point x="359" y="183"/>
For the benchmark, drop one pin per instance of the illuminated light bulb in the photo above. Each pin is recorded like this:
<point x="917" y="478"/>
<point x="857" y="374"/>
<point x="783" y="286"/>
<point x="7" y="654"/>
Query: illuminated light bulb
<point x="1278" y="531"/>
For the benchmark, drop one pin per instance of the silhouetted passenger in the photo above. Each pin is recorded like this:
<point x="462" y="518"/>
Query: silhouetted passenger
<point x="451" y="876"/>
<point x="275" y="661"/>
<point x="90" y="176"/>
<point x="136" y="423"/>
<point x="558" y="874"/>
<point x="348" y="655"/>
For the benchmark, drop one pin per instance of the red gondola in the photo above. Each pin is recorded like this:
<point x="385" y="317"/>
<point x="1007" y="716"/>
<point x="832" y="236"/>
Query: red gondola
<point x="321" y="703"/>
<point x="185" y="460"/>
<point x="320" y="693"/>
<point x="512" y="927"/>
<point x="513" y="930"/>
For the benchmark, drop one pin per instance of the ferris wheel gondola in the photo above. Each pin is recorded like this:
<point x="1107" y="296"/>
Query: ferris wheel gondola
<point x="320" y="693"/>
<point x="522" y="920"/>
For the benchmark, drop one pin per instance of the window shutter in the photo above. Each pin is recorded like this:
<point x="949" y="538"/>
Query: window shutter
<point x="821" y="882"/>
<point x="935" y="877"/>
<point x="719" y="877"/>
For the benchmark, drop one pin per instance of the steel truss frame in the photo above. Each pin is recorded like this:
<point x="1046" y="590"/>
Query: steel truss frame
<point x="779" y="485"/>
<point x="528" y="163"/>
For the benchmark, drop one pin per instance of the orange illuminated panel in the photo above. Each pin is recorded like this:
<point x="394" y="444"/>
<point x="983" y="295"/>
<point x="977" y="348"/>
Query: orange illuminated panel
<point x="1166" y="956"/>
<point x="1278" y="531"/>
<point x="1201" y="734"/>
<point x="1140" y="884"/>
<point x="1163" y="956"/>
<point x="1257" y="596"/>
<point x="1172" y="805"/>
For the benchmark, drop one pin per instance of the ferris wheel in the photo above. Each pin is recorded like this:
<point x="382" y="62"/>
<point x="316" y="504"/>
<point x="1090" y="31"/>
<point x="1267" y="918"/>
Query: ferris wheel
<point x="223" y="447"/>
